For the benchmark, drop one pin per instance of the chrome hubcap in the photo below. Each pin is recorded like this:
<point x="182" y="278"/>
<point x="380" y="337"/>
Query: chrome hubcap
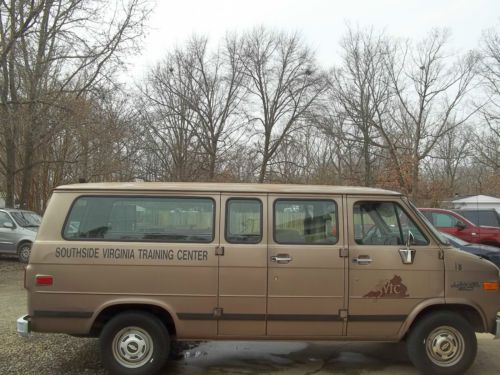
<point x="132" y="347"/>
<point x="445" y="346"/>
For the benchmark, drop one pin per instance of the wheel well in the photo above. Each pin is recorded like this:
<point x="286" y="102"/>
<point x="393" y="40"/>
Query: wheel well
<point x="469" y="313"/>
<point x="109" y="312"/>
<point x="21" y="243"/>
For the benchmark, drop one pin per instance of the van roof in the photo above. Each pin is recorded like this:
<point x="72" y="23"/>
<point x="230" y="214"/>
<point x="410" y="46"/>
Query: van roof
<point x="224" y="187"/>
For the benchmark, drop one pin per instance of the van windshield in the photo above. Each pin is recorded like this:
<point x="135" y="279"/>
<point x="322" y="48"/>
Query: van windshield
<point x="27" y="218"/>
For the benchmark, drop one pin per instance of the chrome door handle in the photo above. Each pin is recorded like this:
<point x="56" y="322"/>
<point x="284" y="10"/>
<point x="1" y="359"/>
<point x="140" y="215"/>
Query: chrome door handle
<point x="362" y="260"/>
<point x="281" y="258"/>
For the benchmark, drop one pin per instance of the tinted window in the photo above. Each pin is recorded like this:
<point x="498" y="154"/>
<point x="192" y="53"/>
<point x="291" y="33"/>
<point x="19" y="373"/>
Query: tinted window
<point x="27" y="218"/>
<point x="443" y="220"/>
<point x="243" y="221"/>
<point x="488" y="218"/>
<point x="4" y="218"/>
<point x="305" y="221"/>
<point x="141" y="219"/>
<point x="384" y="223"/>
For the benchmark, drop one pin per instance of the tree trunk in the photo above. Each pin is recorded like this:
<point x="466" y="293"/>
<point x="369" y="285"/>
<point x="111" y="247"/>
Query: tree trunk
<point x="10" y="173"/>
<point x="414" y="181"/>
<point x="262" y="173"/>
<point x="366" y="156"/>
<point x="27" y="170"/>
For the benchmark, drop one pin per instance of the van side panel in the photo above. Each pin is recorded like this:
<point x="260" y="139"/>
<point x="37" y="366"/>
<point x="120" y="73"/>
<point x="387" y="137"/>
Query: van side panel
<point x="89" y="275"/>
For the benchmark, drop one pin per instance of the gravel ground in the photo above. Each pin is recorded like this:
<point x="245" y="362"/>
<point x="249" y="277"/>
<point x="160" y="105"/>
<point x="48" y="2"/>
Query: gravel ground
<point x="40" y="353"/>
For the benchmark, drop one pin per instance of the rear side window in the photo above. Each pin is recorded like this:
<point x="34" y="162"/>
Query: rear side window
<point x="488" y="218"/>
<point x="158" y="219"/>
<point x="384" y="223"/>
<point x="305" y="221"/>
<point x="243" y="221"/>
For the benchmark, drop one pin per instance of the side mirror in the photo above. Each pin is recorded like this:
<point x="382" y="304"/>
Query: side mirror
<point x="8" y="224"/>
<point x="407" y="254"/>
<point x="460" y="225"/>
<point x="410" y="239"/>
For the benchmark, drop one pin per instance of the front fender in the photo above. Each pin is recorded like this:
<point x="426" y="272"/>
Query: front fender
<point x="440" y="304"/>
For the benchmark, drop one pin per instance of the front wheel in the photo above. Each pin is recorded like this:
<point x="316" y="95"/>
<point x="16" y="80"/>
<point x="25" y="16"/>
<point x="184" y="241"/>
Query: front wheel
<point x="24" y="252"/>
<point x="442" y="343"/>
<point x="134" y="343"/>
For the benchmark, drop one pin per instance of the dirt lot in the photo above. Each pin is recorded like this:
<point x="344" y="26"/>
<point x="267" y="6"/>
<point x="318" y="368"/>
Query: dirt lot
<point x="61" y="354"/>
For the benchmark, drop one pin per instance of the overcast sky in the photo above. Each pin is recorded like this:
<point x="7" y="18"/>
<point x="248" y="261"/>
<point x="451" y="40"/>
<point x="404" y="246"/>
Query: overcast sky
<point x="321" y="22"/>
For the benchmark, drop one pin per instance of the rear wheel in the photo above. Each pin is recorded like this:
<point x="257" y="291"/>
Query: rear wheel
<point x="134" y="343"/>
<point x="24" y="251"/>
<point x="442" y="343"/>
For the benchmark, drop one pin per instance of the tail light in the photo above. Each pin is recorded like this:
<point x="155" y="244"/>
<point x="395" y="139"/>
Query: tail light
<point x="44" y="280"/>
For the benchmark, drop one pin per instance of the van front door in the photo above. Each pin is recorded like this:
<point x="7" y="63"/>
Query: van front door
<point x="242" y="266"/>
<point x="306" y="278"/>
<point x="393" y="266"/>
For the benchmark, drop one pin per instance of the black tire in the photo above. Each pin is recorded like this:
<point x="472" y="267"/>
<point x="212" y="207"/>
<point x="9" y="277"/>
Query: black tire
<point x="442" y="343"/>
<point x="24" y="252"/>
<point x="134" y="343"/>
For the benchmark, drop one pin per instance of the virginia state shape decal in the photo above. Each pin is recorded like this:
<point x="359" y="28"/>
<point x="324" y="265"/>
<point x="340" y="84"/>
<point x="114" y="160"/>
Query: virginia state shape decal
<point x="393" y="288"/>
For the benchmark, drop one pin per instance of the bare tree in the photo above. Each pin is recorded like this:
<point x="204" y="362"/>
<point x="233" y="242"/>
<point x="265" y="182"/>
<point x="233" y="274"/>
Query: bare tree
<point x="214" y="93"/>
<point x="283" y="82"/>
<point x="168" y="118"/>
<point x="203" y="90"/>
<point x="360" y="87"/>
<point x="429" y="93"/>
<point x="444" y="166"/>
<point x="16" y="19"/>
<point x="488" y="149"/>
<point x="67" y="52"/>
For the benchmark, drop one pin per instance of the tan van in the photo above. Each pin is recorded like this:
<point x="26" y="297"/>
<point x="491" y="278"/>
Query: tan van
<point x="143" y="264"/>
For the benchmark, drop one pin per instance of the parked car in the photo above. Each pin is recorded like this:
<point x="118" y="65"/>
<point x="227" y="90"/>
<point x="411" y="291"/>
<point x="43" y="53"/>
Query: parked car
<point x="490" y="253"/>
<point x="450" y="222"/>
<point x="481" y="216"/>
<point x="18" y="230"/>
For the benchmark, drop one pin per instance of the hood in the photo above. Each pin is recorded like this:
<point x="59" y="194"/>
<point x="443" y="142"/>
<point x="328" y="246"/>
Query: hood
<point x="470" y="261"/>
<point x="487" y="248"/>
<point x="489" y="228"/>
<point x="35" y="229"/>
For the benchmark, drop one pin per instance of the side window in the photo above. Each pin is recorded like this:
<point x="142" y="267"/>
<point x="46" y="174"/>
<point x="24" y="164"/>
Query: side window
<point x="384" y="223"/>
<point x="159" y="219"/>
<point x="443" y="220"/>
<point x="487" y="218"/>
<point x="4" y="218"/>
<point x="243" y="220"/>
<point x="305" y="222"/>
